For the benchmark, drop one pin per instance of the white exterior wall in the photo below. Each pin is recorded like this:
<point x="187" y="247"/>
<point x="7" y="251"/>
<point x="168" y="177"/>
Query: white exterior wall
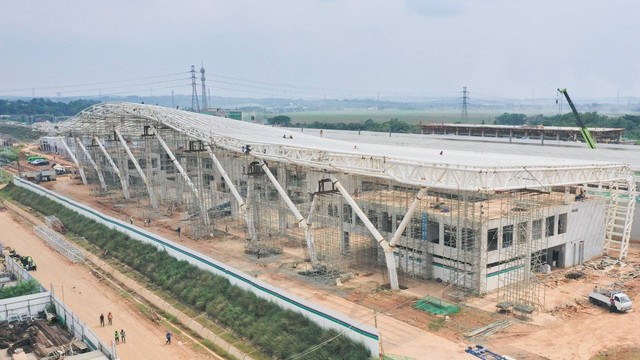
<point x="585" y="222"/>
<point x="56" y="145"/>
<point x="325" y="318"/>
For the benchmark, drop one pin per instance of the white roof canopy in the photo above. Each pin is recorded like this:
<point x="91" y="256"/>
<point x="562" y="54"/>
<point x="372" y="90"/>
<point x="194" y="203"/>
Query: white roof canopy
<point x="416" y="166"/>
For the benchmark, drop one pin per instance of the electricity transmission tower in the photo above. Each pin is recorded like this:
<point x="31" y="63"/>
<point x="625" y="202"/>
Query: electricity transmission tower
<point x="464" y="118"/>
<point x="195" y="103"/>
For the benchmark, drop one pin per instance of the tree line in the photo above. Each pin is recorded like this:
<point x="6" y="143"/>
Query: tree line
<point x="44" y="106"/>
<point x="631" y="123"/>
<point x="394" y="125"/>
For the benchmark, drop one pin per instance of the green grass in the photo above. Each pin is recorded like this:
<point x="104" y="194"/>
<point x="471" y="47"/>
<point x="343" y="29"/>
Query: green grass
<point x="277" y="332"/>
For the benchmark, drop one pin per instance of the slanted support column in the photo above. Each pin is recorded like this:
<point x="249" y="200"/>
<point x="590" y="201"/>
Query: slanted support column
<point x="194" y="191"/>
<point x="75" y="160"/>
<point x="388" y="250"/>
<point x="93" y="163"/>
<point x="152" y="197"/>
<point x="249" y="211"/>
<point x="407" y="218"/>
<point x="301" y="220"/>
<point x="123" y="181"/>
<point x="241" y="204"/>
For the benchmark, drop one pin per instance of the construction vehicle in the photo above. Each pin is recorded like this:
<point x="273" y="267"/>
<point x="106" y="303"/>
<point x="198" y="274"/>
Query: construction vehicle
<point x="27" y="263"/>
<point x="586" y="135"/>
<point x="482" y="352"/>
<point x="45" y="175"/>
<point x="613" y="299"/>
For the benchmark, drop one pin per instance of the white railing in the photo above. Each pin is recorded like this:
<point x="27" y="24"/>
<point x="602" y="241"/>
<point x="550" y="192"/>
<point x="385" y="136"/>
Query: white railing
<point x="59" y="244"/>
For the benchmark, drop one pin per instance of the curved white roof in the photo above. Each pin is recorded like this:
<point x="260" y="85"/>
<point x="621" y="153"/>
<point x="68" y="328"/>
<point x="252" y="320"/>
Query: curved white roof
<point x="419" y="166"/>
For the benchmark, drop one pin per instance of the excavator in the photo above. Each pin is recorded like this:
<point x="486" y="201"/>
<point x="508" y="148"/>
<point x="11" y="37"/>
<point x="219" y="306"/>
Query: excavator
<point x="586" y="135"/>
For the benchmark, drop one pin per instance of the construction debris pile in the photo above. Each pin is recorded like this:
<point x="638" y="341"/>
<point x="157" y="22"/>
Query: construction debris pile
<point x="37" y="336"/>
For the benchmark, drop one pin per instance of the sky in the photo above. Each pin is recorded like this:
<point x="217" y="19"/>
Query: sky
<point x="513" y="49"/>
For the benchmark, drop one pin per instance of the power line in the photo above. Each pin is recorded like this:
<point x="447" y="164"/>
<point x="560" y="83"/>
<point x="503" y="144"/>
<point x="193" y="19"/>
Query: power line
<point x="92" y="84"/>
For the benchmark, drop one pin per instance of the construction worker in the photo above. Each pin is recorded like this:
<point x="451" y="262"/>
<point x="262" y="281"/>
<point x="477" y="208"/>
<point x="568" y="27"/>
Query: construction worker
<point x="168" y="338"/>
<point x="117" y="337"/>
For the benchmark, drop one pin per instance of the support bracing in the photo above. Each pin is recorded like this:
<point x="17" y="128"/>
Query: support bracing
<point x="152" y="198"/>
<point x="185" y="176"/>
<point x="407" y="217"/>
<point x="75" y="160"/>
<point x="388" y="250"/>
<point x="123" y="181"/>
<point x="103" y="185"/>
<point x="241" y="204"/>
<point x="301" y="220"/>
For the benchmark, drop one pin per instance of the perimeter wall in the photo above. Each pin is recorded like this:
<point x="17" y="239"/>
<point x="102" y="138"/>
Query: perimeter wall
<point x="323" y="317"/>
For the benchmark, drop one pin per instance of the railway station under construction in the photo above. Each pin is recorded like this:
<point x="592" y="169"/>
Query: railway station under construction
<point x="480" y="222"/>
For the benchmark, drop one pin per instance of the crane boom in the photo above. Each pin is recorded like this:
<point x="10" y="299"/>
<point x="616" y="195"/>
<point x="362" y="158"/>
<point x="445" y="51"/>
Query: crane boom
<point x="586" y="135"/>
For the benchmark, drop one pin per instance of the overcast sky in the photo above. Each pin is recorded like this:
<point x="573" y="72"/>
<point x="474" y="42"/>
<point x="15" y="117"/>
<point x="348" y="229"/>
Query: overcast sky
<point x="322" y="48"/>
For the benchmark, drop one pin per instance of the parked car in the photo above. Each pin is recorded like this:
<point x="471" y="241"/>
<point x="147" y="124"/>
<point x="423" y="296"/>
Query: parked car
<point x="40" y="162"/>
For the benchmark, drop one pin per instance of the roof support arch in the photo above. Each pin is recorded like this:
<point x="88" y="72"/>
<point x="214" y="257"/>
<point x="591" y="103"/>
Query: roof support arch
<point x="185" y="176"/>
<point x="123" y="181"/>
<point x="75" y="160"/>
<point x="103" y="185"/>
<point x="152" y="198"/>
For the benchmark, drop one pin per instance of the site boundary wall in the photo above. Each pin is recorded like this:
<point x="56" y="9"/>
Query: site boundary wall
<point x="32" y="304"/>
<point x="323" y="317"/>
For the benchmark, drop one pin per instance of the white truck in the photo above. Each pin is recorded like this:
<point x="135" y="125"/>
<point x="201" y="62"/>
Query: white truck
<point x="613" y="299"/>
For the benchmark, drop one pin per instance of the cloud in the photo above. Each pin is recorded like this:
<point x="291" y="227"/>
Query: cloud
<point x="436" y="8"/>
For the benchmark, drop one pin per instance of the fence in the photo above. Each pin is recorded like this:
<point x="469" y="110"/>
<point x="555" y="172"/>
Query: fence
<point x="323" y="317"/>
<point x="59" y="244"/>
<point x="28" y="306"/>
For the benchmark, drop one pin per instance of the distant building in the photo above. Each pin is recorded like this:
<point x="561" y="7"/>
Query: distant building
<point x="601" y="135"/>
<point x="230" y="114"/>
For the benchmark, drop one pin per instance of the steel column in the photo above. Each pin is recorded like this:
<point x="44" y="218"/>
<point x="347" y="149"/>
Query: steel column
<point x="203" y="210"/>
<point x="407" y="218"/>
<point x="388" y="250"/>
<point x="74" y="159"/>
<point x="152" y="197"/>
<point x="93" y="163"/>
<point x="125" y="188"/>
<point x="301" y="220"/>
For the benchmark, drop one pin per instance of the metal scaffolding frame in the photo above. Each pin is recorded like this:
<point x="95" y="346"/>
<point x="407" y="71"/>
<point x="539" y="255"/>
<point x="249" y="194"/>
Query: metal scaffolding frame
<point x="387" y="208"/>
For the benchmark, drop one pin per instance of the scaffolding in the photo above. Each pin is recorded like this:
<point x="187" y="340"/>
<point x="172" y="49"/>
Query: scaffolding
<point x="473" y="225"/>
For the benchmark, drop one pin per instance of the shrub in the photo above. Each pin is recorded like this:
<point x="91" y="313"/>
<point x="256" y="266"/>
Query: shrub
<point x="267" y="326"/>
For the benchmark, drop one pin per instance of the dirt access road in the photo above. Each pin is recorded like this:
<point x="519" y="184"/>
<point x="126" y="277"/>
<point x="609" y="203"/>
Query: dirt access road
<point x="88" y="297"/>
<point x="572" y="328"/>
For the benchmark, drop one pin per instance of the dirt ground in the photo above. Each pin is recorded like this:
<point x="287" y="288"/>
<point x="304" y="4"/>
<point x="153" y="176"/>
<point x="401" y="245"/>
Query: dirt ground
<point x="569" y="327"/>
<point x="88" y="297"/>
<point x="573" y="328"/>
